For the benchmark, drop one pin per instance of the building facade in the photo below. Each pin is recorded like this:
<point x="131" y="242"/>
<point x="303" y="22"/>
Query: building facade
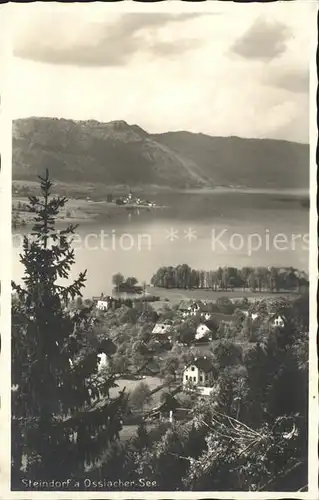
<point x="200" y="373"/>
<point x="202" y="331"/>
<point x="102" y="305"/>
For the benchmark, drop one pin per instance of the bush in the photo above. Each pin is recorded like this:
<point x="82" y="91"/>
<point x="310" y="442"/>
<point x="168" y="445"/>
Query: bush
<point x="140" y="396"/>
<point x="186" y="400"/>
<point x="227" y="353"/>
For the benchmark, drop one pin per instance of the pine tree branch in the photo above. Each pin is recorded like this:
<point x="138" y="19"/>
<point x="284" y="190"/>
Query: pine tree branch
<point x="281" y="475"/>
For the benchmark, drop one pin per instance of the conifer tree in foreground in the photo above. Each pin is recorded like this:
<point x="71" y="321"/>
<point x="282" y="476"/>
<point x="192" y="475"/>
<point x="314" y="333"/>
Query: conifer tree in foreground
<point x="62" y="417"/>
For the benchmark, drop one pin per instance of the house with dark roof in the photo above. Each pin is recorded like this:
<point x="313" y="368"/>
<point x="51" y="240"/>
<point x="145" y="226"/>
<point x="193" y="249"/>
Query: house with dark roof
<point x="185" y="305"/>
<point x="189" y="308"/>
<point x="203" y="308"/>
<point x="201" y="373"/>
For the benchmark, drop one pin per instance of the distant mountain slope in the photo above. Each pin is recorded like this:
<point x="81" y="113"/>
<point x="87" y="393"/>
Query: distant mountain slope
<point x="246" y="162"/>
<point x="118" y="153"/>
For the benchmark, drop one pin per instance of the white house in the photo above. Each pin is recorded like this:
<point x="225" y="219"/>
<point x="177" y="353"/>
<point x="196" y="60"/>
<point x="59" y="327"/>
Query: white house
<point x="200" y="373"/>
<point x="202" y="331"/>
<point x="278" y="321"/>
<point x="102" y="304"/>
<point x="103" y="361"/>
<point x="206" y="316"/>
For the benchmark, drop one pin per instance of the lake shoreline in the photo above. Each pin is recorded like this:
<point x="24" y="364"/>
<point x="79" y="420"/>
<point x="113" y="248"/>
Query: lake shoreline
<point x="82" y="211"/>
<point x="95" y="189"/>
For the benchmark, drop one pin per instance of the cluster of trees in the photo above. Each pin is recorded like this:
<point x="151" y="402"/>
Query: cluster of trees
<point x="227" y="278"/>
<point x="250" y="435"/>
<point x="123" y="284"/>
<point x="130" y="328"/>
<point x="140" y="397"/>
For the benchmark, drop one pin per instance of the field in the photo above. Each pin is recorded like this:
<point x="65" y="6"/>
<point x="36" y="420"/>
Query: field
<point x="130" y="385"/>
<point x="175" y="296"/>
<point x="129" y="431"/>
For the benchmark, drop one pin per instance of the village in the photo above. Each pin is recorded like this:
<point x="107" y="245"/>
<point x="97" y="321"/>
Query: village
<point x="189" y="330"/>
<point x="130" y="200"/>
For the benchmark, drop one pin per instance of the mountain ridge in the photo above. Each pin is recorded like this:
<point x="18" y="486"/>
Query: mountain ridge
<point x="116" y="152"/>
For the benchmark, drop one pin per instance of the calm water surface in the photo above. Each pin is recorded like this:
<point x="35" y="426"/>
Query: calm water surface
<point x="202" y="230"/>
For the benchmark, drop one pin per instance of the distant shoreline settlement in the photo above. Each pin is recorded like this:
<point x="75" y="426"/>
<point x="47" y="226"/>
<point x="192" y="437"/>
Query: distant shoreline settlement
<point x="21" y="213"/>
<point x="129" y="199"/>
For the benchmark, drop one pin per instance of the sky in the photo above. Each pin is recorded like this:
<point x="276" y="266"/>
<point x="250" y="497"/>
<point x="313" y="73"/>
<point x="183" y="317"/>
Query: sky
<point x="212" y="69"/>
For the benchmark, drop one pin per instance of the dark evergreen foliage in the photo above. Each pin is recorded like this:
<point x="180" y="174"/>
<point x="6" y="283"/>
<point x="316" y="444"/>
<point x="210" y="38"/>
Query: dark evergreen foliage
<point x="62" y="417"/>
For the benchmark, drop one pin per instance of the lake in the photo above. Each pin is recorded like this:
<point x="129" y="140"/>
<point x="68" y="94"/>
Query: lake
<point x="204" y="230"/>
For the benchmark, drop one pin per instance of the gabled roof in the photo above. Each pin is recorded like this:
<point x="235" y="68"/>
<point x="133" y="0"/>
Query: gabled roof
<point x="105" y="298"/>
<point x="206" y="308"/>
<point x="162" y="328"/>
<point x="204" y="364"/>
<point x="203" y="326"/>
<point x="185" y="304"/>
<point x="203" y="307"/>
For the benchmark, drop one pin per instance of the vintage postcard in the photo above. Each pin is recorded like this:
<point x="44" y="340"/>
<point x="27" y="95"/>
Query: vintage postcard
<point x="159" y="252"/>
